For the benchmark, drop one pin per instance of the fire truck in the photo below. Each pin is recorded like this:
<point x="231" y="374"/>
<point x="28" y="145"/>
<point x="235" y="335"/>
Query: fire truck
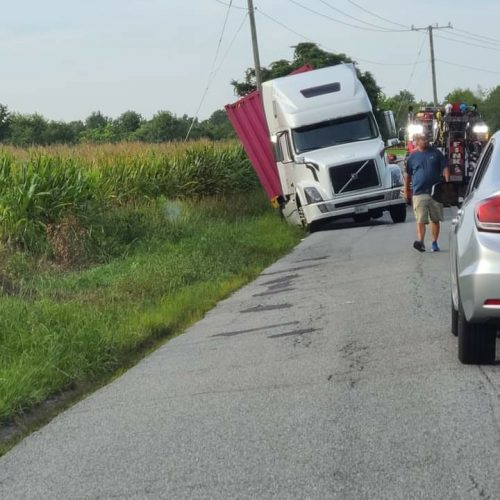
<point x="457" y="130"/>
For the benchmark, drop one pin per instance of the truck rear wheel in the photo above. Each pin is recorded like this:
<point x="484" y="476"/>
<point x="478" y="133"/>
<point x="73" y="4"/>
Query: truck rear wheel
<point x="398" y="213"/>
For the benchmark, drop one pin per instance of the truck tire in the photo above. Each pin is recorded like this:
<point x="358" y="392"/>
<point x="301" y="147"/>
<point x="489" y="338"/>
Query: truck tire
<point x="398" y="213"/>
<point x="476" y="341"/>
<point x="454" y="320"/>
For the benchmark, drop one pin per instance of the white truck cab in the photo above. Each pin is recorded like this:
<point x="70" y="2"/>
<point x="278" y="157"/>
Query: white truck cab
<point x="328" y="148"/>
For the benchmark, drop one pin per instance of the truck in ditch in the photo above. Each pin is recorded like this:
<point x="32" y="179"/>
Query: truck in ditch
<point x="315" y="144"/>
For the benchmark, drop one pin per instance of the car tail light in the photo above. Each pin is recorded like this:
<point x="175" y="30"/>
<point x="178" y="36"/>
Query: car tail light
<point x="492" y="302"/>
<point x="488" y="214"/>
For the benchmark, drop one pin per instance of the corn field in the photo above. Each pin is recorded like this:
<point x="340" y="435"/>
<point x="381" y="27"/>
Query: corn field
<point x="40" y="188"/>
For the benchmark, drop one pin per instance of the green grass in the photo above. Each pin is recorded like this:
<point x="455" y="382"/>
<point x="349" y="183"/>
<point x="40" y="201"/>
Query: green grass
<point x="173" y="261"/>
<point x="45" y="189"/>
<point x="397" y="151"/>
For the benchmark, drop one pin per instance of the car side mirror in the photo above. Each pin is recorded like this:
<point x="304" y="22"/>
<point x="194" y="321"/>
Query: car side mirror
<point x="447" y="193"/>
<point x="392" y="142"/>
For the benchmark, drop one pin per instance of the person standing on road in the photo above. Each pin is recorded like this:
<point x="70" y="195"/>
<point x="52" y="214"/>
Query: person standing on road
<point x="425" y="167"/>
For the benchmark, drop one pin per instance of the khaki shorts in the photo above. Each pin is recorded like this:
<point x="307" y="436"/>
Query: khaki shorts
<point x="426" y="208"/>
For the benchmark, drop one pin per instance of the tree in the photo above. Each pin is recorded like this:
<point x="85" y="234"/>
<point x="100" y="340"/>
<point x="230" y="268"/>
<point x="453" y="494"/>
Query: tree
<point x="27" y="130"/>
<point x="96" y="120"/>
<point x="164" y="126"/>
<point x="217" y="127"/>
<point x="306" y="53"/>
<point x="490" y="109"/>
<point x="127" y="123"/>
<point x="399" y="105"/>
<point x="466" y="96"/>
<point x="60" y="133"/>
<point x="5" y="120"/>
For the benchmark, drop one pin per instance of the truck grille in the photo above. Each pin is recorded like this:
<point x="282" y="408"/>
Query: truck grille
<point x="370" y="199"/>
<point x="341" y="175"/>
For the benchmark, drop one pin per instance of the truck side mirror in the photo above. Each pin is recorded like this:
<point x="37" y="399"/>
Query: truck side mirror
<point x="447" y="193"/>
<point x="392" y="142"/>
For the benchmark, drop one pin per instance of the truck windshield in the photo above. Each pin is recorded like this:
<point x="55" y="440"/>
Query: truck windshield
<point x="330" y="133"/>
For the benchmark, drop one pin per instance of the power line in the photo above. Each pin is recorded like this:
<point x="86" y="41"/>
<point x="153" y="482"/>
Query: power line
<point x="324" y="2"/>
<point x="230" y="45"/>
<point x="222" y="34"/>
<point x="343" y="22"/>
<point x="377" y="16"/>
<point x="468" y="67"/>
<point x="461" y="38"/>
<point x="495" y="40"/>
<point x="407" y="87"/>
<point x="230" y="5"/>
<point x="262" y="13"/>
<point x="213" y="70"/>
<point x="468" y="43"/>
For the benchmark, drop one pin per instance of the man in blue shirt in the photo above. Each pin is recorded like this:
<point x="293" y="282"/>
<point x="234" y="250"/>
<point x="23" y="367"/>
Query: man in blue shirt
<point x="425" y="167"/>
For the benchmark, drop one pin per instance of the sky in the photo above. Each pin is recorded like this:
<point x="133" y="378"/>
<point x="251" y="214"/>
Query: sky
<point x="65" y="59"/>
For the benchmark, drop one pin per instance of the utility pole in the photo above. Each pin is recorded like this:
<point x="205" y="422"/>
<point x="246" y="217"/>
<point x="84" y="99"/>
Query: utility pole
<point x="430" y="29"/>
<point x="255" y="46"/>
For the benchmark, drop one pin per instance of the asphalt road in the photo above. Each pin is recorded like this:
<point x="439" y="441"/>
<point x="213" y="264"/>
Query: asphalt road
<point x="333" y="375"/>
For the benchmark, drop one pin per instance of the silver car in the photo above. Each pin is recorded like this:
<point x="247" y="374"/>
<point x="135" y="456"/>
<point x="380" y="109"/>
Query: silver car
<point x="475" y="261"/>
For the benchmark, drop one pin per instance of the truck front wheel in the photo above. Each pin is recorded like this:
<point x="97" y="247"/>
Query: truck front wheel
<point x="398" y="213"/>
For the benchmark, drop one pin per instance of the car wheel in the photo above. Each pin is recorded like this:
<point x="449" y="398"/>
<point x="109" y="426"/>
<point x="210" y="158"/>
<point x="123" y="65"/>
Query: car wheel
<point x="476" y="341"/>
<point x="398" y="213"/>
<point x="454" y="320"/>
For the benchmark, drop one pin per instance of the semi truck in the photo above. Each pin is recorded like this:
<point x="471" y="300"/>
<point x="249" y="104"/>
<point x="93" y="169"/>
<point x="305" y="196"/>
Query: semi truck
<point x="315" y="144"/>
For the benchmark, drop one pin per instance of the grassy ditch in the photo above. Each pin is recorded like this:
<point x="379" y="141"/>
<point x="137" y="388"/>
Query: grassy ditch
<point x="63" y="328"/>
<point x="49" y="193"/>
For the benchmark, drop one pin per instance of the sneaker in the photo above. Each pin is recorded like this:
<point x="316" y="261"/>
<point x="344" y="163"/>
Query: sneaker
<point x="434" y="247"/>
<point x="418" y="245"/>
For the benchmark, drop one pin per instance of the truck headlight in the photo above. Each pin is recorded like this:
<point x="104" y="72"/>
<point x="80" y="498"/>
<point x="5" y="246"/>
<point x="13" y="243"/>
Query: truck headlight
<point x="312" y="195"/>
<point x="414" y="129"/>
<point x="480" y="128"/>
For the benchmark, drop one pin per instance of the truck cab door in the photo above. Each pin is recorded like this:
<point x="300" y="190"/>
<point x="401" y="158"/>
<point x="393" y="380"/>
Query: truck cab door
<point x="285" y="161"/>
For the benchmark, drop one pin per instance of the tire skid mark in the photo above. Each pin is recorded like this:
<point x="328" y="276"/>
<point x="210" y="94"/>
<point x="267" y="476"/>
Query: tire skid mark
<point x="312" y="259"/>
<point x="249" y="330"/>
<point x="289" y="270"/>
<point x="273" y="292"/>
<point x="492" y="392"/>
<point x="294" y="332"/>
<point x="477" y="487"/>
<point x="356" y="355"/>
<point x="280" y="280"/>
<point x="278" y="286"/>
<point x="271" y="307"/>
